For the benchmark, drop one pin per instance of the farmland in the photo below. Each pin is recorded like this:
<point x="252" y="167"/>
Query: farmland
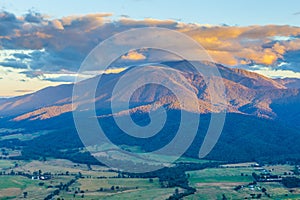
<point x="213" y="183"/>
<point x="71" y="180"/>
<point x="95" y="182"/>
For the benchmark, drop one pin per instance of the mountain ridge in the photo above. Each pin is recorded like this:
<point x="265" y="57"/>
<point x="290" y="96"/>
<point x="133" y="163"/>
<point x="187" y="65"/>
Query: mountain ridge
<point x="246" y="92"/>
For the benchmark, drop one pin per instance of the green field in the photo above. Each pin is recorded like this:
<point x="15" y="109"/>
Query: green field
<point x="153" y="194"/>
<point x="279" y="169"/>
<point x="6" y="164"/>
<point x="124" y="188"/>
<point x="216" y="175"/>
<point x="14" y="186"/>
<point x="15" y="182"/>
<point x="23" y="136"/>
<point x="99" y="182"/>
<point x="95" y="184"/>
<point x="212" y="183"/>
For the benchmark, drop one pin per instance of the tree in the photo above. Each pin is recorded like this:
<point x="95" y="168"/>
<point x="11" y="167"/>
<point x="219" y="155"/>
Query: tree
<point x="224" y="197"/>
<point x="296" y="170"/>
<point x="263" y="190"/>
<point x="237" y="188"/>
<point x="25" y="194"/>
<point x="112" y="187"/>
<point x="79" y="175"/>
<point x="89" y="166"/>
<point x="255" y="176"/>
<point x="291" y="182"/>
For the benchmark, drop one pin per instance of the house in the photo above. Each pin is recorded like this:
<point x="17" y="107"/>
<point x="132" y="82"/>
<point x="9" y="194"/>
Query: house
<point x="41" y="177"/>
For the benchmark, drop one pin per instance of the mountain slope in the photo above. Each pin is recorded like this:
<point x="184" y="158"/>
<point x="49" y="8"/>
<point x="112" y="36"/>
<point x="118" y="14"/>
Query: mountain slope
<point x="289" y="82"/>
<point x="261" y="123"/>
<point x="246" y="93"/>
<point x="46" y="97"/>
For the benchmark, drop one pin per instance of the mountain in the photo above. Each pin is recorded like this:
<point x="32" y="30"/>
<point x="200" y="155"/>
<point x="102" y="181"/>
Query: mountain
<point x="246" y="93"/>
<point x="43" y="98"/>
<point x="289" y="82"/>
<point x="261" y="122"/>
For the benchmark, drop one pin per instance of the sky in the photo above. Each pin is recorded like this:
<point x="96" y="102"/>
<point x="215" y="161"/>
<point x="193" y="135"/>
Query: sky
<point x="42" y="43"/>
<point x="231" y="12"/>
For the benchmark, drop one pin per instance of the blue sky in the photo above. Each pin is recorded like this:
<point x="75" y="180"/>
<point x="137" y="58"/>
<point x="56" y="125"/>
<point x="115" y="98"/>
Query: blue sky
<point x="231" y="12"/>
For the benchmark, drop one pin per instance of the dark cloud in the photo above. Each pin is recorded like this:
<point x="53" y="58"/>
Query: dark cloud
<point x="125" y="16"/>
<point x="69" y="79"/>
<point x="51" y="60"/>
<point x="7" y="17"/>
<point x="8" y="22"/>
<point x="33" y="17"/>
<point x="32" y="74"/>
<point x="293" y="59"/>
<point x="21" y="56"/>
<point x="14" y="64"/>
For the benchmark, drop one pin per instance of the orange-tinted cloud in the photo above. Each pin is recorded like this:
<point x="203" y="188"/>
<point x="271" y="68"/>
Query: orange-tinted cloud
<point x="223" y="57"/>
<point x="57" y="24"/>
<point x="243" y="45"/>
<point x="133" y="55"/>
<point x="146" y="22"/>
<point x="71" y="38"/>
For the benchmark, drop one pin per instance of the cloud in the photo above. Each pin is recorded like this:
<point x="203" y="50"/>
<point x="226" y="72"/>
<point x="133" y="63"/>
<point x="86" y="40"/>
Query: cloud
<point x="275" y="73"/>
<point x="86" y="23"/>
<point x="24" y="91"/>
<point x="57" y="24"/>
<point x="8" y="22"/>
<point x="133" y="55"/>
<point x="66" y="79"/>
<point x="148" y="22"/>
<point x="114" y="70"/>
<point x="62" y="44"/>
<point x="15" y="82"/>
<point x="235" y="45"/>
<point x="21" y="56"/>
<point x="124" y="16"/>
<point x="33" y="17"/>
<point x="14" y="64"/>
<point x="296" y="13"/>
